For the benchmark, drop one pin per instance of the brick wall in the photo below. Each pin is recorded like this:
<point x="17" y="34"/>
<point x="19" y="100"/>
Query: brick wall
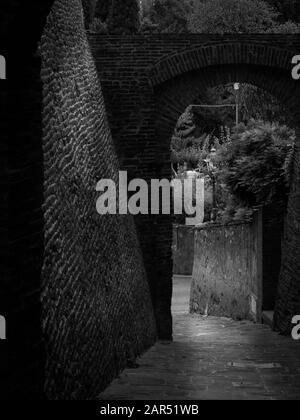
<point x="273" y="222"/>
<point x="288" y="299"/>
<point x="228" y="270"/>
<point x="97" y="311"/>
<point x="139" y="80"/>
<point x="96" y="306"/>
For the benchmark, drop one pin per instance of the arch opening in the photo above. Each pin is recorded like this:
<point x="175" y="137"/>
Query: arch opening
<point x="176" y="95"/>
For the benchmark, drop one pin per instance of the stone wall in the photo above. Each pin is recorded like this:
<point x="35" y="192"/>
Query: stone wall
<point x="97" y="311"/>
<point x="227" y="275"/>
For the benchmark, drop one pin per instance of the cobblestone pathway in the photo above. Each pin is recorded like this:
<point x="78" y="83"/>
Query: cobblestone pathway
<point x="214" y="358"/>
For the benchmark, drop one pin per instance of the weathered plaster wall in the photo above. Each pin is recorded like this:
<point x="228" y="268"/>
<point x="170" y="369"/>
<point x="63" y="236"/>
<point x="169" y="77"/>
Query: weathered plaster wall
<point x="183" y="249"/>
<point x="227" y="270"/>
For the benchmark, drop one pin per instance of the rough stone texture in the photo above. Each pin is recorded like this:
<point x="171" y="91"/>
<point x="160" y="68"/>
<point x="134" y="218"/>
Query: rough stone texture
<point x="155" y="78"/>
<point x="183" y="249"/>
<point x="97" y="311"/>
<point x="288" y="301"/>
<point x="228" y="270"/>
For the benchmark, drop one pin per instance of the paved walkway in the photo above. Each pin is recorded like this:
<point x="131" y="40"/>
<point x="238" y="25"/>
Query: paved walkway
<point x="213" y="358"/>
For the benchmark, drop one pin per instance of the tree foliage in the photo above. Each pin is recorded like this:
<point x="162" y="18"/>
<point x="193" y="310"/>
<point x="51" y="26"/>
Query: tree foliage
<point x="167" y="16"/>
<point x="123" y="17"/>
<point x="203" y="16"/>
<point x="232" y="16"/>
<point x="89" y="7"/>
<point x="197" y="124"/>
<point x="288" y="27"/>
<point x="289" y="9"/>
<point x="186" y="145"/>
<point x="102" y="9"/>
<point x="258" y="104"/>
<point x="253" y="164"/>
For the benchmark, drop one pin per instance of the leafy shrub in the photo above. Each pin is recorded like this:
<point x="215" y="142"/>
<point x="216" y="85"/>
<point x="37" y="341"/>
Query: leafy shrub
<point x="99" y="27"/>
<point x="233" y="16"/>
<point x="89" y="7"/>
<point x="103" y="8"/>
<point x="167" y="16"/>
<point x="252" y="165"/>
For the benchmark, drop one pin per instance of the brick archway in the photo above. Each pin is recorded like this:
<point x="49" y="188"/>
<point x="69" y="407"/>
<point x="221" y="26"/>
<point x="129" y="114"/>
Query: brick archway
<point x="174" y="95"/>
<point x="149" y="84"/>
<point x="177" y="91"/>
<point x="177" y="79"/>
<point x="172" y="98"/>
<point x="135" y="73"/>
<point x="235" y="51"/>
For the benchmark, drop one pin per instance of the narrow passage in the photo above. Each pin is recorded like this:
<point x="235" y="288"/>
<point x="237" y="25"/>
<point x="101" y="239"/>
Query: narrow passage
<point x="212" y="358"/>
